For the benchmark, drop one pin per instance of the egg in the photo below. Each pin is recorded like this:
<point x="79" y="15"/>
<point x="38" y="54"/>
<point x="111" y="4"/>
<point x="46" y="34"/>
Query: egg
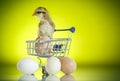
<point x="42" y="48"/>
<point x="67" y="65"/>
<point x="28" y="78"/>
<point x="27" y="66"/>
<point x="53" y="65"/>
<point x="52" y="78"/>
<point x="67" y="78"/>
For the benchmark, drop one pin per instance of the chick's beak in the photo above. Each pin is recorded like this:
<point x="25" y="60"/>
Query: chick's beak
<point x="34" y="14"/>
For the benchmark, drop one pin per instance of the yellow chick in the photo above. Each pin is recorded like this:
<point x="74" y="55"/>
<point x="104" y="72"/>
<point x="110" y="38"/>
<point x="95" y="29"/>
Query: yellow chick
<point x="46" y="25"/>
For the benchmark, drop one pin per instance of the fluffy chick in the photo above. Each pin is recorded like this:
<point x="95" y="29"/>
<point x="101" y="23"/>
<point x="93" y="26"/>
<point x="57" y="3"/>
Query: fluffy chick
<point x="46" y="25"/>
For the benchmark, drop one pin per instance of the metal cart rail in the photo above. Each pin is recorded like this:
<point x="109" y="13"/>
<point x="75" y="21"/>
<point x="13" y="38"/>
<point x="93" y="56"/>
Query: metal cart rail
<point x="58" y="47"/>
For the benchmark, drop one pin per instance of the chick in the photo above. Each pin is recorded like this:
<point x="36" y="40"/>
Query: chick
<point x="46" y="25"/>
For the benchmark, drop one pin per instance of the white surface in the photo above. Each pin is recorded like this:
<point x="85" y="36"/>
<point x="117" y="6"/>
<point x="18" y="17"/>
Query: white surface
<point x="52" y="78"/>
<point x="28" y="78"/>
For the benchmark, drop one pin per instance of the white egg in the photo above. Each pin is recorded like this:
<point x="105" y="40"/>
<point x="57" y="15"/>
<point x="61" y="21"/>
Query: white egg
<point x="52" y="78"/>
<point x="27" y="66"/>
<point x="53" y="65"/>
<point x="28" y="78"/>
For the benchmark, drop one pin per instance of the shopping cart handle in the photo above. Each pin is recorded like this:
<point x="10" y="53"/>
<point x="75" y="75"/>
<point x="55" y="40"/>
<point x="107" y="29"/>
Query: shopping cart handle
<point x="72" y="29"/>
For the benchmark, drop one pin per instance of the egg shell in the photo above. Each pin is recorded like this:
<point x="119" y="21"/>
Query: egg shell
<point x="53" y="65"/>
<point x="27" y="66"/>
<point x="67" y="65"/>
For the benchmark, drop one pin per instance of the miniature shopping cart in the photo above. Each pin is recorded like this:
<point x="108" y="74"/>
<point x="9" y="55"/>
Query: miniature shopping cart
<point x="58" y="47"/>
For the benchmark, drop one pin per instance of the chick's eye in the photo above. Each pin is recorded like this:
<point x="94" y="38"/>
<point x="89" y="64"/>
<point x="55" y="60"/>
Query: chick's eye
<point x="40" y="12"/>
<point x="43" y="12"/>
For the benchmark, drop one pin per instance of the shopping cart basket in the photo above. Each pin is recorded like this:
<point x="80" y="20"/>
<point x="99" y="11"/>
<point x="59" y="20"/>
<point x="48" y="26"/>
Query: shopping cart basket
<point x="58" y="47"/>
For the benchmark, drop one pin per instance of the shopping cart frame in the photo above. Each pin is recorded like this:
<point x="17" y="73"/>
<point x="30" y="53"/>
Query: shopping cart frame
<point x="59" y="46"/>
<point x="57" y="50"/>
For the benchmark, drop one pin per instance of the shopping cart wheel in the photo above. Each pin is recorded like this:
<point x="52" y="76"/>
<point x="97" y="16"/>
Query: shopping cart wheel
<point x="44" y="77"/>
<point x="44" y="71"/>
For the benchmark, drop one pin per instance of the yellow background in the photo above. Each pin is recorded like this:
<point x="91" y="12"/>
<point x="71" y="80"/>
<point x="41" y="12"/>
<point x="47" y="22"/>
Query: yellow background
<point x="95" y="42"/>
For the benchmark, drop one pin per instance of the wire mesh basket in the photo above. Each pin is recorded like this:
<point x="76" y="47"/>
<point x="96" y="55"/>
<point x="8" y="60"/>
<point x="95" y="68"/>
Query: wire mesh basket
<point x="58" y="47"/>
